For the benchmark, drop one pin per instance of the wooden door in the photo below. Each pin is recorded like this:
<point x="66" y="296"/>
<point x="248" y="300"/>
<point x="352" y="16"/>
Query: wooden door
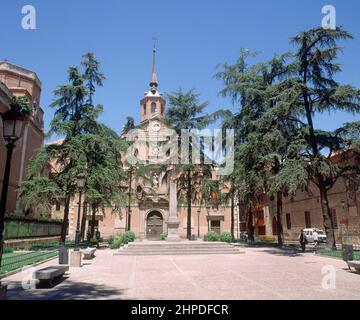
<point x="154" y="226"/>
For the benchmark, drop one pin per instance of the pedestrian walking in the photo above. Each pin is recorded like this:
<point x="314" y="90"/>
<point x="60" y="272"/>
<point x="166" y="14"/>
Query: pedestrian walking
<point x="303" y="240"/>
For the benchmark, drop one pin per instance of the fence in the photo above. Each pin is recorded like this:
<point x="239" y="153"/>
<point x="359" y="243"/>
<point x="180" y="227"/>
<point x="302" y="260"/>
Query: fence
<point x="23" y="228"/>
<point x="15" y="261"/>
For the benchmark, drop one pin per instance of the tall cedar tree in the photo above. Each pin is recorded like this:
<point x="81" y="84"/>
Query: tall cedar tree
<point x="185" y="112"/>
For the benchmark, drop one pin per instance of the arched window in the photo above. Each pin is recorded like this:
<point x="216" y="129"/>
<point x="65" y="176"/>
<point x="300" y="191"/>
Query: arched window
<point x="144" y="107"/>
<point x="153" y="107"/>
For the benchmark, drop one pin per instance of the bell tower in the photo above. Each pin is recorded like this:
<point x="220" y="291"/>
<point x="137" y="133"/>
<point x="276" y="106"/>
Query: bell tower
<point x="152" y="105"/>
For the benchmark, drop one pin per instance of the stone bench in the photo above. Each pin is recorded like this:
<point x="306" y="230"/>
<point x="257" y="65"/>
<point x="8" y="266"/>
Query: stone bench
<point x="47" y="275"/>
<point x="89" y="253"/>
<point x="354" y="264"/>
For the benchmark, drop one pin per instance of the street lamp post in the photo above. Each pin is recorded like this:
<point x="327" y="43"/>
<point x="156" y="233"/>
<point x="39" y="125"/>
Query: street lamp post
<point x="81" y="184"/>
<point x="13" y="124"/>
<point x="198" y="212"/>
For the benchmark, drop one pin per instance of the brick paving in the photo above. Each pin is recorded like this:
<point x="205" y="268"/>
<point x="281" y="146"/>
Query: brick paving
<point x="258" y="273"/>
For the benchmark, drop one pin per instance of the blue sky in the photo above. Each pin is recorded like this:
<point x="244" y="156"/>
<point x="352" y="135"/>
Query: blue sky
<point x="194" y="36"/>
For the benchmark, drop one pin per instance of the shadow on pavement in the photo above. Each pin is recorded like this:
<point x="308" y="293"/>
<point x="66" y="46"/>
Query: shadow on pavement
<point x="66" y="291"/>
<point x="284" y="252"/>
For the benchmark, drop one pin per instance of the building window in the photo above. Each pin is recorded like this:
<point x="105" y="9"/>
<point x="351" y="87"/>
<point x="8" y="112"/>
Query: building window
<point x="288" y="221"/>
<point x="307" y="219"/>
<point x="334" y="218"/>
<point x="57" y="206"/>
<point x="153" y="107"/>
<point x="162" y="109"/>
<point x="144" y="108"/>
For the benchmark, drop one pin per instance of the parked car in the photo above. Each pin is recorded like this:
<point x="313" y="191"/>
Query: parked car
<point x="309" y="235"/>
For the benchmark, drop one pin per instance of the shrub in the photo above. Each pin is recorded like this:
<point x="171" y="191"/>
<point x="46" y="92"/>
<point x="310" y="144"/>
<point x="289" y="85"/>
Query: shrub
<point x="212" y="236"/>
<point x="163" y="236"/>
<point x="128" y="236"/>
<point x="111" y="239"/>
<point x="117" y="242"/>
<point x="8" y="250"/>
<point x="226" y="237"/>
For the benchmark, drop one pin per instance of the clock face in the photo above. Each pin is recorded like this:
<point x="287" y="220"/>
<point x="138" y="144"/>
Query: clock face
<point x="155" y="126"/>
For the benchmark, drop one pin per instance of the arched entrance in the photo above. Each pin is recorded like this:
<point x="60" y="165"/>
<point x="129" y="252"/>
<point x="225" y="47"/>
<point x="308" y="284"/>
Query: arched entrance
<point x="154" y="225"/>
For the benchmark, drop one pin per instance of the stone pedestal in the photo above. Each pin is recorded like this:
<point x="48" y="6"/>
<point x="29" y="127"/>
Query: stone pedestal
<point x="75" y="259"/>
<point x="173" y="231"/>
<point x="173" y="222"/>
<point x="63" y="255"/>
<point x="3" y="289"/>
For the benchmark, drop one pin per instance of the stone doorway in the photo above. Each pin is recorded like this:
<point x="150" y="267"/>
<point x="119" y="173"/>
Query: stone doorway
<point x="154" y="225"/>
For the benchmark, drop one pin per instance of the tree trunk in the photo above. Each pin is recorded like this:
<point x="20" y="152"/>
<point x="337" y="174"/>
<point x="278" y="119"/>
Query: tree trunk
<point x="326" y="213"/>
<point x="232" y="226"/>
<point x="279" y="212"/>
<point x="188" y="232"/>
<point x="250" y="225"/>
<point x="325" y="209"/>
<point x="240" y="208"/>
<point x="83" y="221"/>
<point x="128" y="226"/>
<point x="65" y="223"/>
<point x="93" y="220"/>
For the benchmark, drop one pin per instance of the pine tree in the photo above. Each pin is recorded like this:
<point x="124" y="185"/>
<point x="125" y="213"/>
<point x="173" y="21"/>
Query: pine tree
<point x="312" y="90"/>
<point x="87" y="147"/>
<point x="185" y="112"/>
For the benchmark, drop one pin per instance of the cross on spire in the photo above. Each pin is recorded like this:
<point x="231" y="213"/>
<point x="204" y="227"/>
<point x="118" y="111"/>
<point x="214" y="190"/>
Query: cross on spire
<point x="154" y="82"/>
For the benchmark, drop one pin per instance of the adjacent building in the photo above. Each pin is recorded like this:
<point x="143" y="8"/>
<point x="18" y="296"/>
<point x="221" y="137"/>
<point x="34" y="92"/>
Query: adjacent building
<point x="18" y="81"/>
<point x="304" y="209"/>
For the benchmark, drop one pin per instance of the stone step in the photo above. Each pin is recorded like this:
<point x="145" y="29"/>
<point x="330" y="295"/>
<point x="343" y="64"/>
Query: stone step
<point x="174" y="244"/>
<point x="187" y="252"/>
<point x="181" y="248"/>
<point x="177" y="249"/>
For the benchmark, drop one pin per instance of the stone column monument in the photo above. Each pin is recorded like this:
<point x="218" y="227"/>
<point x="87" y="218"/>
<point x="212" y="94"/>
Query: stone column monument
<point x="173" y="221"/>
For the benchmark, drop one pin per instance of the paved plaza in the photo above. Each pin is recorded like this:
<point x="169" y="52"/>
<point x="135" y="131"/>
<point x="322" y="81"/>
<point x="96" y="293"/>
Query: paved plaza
<point x="256" y="273"/>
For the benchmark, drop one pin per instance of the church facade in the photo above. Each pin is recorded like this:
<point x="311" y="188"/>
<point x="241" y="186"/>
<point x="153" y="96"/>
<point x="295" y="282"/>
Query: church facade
<point x="154" y="208"/>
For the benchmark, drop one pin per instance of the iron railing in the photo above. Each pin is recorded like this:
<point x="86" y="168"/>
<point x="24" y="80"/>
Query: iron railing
<point x="16" y="261"/>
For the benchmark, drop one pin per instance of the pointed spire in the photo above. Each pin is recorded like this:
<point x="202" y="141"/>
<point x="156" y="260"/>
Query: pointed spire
<point x="154" y="82"/>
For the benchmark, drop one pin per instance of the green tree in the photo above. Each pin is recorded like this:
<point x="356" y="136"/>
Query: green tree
<point x="247" y="87"/>
<point x="103" y="171"/>
<point x="185" y="112"/>
<point x="87" y="147"/>
<point x="312" y="90"/>
<point x="129" y="125"/>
